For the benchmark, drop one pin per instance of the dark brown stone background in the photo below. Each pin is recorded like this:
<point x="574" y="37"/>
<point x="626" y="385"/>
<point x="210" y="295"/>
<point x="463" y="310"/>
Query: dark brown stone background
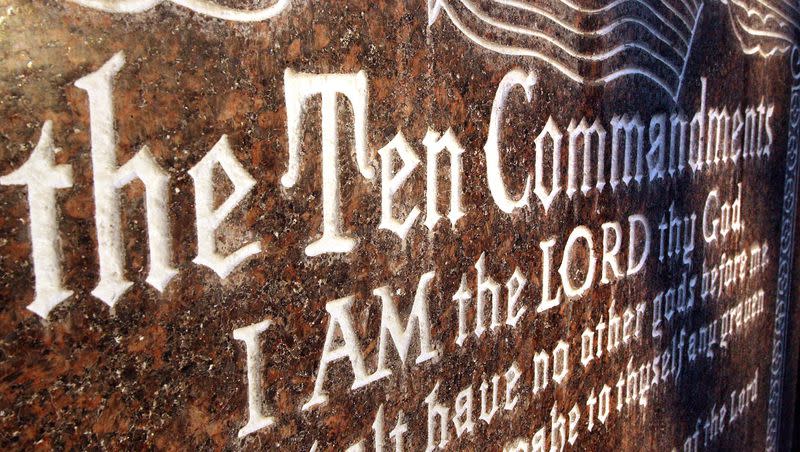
<point x="162" y="371"/>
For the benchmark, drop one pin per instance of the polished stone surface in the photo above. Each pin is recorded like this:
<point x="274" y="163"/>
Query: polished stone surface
<point x="168" y="369"/>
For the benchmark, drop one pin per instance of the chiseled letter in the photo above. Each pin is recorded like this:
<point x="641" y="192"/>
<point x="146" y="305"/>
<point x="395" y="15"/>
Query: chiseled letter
<point x="391" y="183"/>
<point x="209" y="218"/>
<point x="584" y="131"/>
<point x="249" y="335"/>
<point x="632" y="126"/>
<point x="610" y="261"/>
<point x="547" y="196"/>
<point x="341" y="319"/>
<point x="462" y="296"/>
<point x="298" y="87"/>
<point x="697" y="131"/>
<point x="436" y="144"/>
<point x="580" y="232"/>
<point x="494" y="171"/>
<point x="547" y="259"/>
<point x="514" y="286"/>
<point x="485" y="284"/>
<point x="656" y="157"/>
<point x="634" y="266"/>
<point x="463" y="408"/>
<point x="42" y="178"/>
<point x="436" y="409"/>
<point x="109" y="178"/>
<point x="401" y="337"/>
